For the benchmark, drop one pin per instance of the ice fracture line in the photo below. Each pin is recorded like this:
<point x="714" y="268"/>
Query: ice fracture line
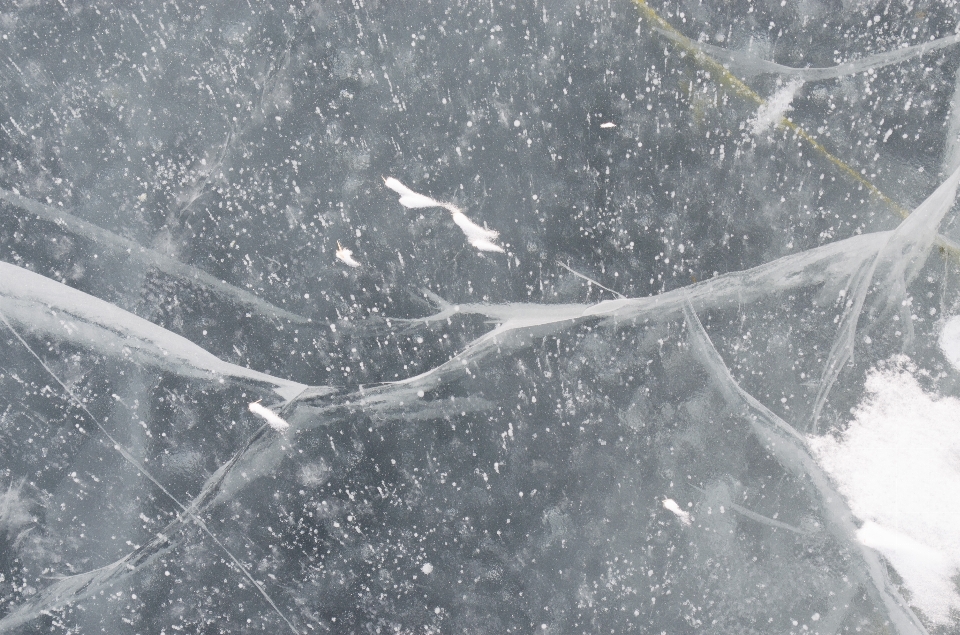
<point x="129" y="457"/>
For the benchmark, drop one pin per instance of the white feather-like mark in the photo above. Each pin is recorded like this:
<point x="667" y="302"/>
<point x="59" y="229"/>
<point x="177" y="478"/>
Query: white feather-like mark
<point x="486" y="245"/>
<point x="608" y="124"/>
<point x="345" y="256"/>
<point x="480" y="237"/>
<point x="269" y="416"/>
<point x="671" y="505"/>
<point x="409" y="198"/>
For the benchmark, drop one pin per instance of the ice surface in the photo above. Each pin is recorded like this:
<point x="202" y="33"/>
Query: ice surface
<point x="792" y="451"/>
<point x="48" y="308"/>
<point x="692" y="370"/>
<point x="951" y="149"/>
<point x="746" y="64"/>
<point x="897" y="263"/>
<point x="124" y="248"/>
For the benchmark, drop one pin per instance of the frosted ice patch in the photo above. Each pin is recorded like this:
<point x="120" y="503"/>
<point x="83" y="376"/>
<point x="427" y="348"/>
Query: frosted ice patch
<point x="771" y="112"/>
<point x="14" y="510"/>
<point x="269" y="416"/>
<point x="671" y="505"/>
<point x="950" y="341"/>
<point x="897" y="466"/>
<point x="427" y="568"/>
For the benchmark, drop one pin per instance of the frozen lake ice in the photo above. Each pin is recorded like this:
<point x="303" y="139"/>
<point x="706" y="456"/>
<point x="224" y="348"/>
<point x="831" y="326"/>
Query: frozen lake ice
<point x="555" y="317"/>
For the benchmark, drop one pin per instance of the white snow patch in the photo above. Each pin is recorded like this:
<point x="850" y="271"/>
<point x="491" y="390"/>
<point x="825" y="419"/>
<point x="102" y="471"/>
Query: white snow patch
<point x="427" y="568"/>
<point x="314" y="474"/>
<point x="898" y="465"/>
<point x="925" y="569"/>
<point x="950" y="341"/>
<point x="771" y="112"/>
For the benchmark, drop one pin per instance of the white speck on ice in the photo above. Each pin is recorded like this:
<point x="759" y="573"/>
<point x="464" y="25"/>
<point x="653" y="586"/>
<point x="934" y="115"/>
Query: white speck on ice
<point x="671" y="505"/>
<point x="608" y="124"/>
<point x="427" y="568"/>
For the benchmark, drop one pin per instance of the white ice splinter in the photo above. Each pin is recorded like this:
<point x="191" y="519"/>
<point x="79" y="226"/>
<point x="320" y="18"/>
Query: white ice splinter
<point x="480" y="237"/>
<point x="269" y="416"/>
<point x="345" y="256"/>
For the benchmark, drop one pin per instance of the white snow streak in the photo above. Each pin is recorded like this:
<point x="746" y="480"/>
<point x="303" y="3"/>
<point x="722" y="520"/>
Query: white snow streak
<point x="411" y="199"/>
<point x="269" y="416"/>
<point x="480" y="237"/>
<point x="950" y="341"/>
<point x="345" y="256"/>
